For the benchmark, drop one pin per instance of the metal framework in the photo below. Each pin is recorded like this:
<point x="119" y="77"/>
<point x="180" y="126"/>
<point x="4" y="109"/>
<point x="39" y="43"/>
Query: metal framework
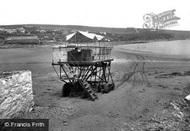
<point x="87" y="75"/>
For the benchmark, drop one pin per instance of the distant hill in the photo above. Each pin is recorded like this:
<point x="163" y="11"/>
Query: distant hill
<point x="78" y="27"/>
<point x="58" y="32"/>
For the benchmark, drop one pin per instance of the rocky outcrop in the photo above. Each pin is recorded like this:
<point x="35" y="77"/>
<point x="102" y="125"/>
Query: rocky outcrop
<point x="16" y="94"/>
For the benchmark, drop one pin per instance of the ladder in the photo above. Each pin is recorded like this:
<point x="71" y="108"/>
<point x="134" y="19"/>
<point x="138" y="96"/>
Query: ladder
<point x="87" y="87"/>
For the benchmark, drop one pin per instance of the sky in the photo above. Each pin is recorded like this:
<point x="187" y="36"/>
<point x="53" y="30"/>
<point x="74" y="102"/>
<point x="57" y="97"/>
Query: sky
<point x="101" y="13"/>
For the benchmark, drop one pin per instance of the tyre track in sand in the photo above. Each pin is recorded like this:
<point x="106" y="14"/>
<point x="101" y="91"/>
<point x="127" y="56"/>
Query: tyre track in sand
<point x="133" y="64"/>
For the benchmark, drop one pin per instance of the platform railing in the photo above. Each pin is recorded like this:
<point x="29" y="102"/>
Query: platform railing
<point x="59" y="53"/>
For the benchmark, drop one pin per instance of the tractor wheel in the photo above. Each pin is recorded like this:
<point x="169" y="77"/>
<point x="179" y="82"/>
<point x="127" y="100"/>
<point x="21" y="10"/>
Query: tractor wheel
<point x="100" y="87"/>
<point x="108" y="87"/>
<point x="78" y="87"/>
<point x="111" y="86"/>
<point x="66" y="90"/>
<point x="105" y="88"/>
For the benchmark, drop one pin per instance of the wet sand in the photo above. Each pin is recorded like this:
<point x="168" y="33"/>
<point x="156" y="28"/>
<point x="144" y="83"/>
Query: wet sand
<point x="148" y="86"/>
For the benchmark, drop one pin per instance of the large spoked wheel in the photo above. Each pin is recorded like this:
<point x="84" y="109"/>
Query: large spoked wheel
<point x="66" y="90"/>
<point x="108" y="87"/>
<point x="111" y="86"/>
<point x="105" y="88"/>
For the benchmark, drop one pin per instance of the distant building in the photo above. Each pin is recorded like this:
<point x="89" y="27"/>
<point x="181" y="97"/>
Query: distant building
<point x="22" y="40"/>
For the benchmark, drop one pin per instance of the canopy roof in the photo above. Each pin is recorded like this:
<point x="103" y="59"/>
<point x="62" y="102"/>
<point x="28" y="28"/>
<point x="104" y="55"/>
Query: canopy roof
<point x="81" y="36"/>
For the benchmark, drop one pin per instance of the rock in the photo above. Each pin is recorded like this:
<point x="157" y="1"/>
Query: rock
<point x="16" y="93"/>
<point x="187" y="97"/>
<point x="65" y="123"/>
